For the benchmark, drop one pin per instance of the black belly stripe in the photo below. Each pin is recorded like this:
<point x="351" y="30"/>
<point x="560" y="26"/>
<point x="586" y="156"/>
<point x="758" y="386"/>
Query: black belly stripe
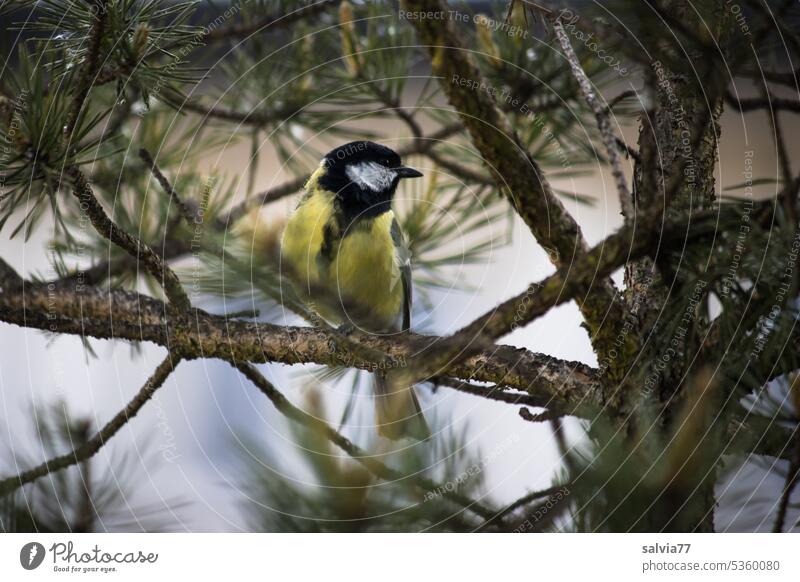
<point x="329" y="247"/>
<point x="333" y="234"/>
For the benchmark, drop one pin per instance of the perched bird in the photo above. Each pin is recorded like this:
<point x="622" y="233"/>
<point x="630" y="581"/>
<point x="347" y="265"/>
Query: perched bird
<point x="345" y="253"/>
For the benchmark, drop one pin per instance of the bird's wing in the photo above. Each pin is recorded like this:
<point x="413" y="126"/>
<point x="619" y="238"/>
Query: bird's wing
<point x="404" y="263"/>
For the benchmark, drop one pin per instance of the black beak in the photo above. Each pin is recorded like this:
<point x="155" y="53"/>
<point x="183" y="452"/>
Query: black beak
<point x="406" y="172"/>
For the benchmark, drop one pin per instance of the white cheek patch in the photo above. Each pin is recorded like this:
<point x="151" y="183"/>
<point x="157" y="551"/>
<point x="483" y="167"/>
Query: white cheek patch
<point x="371" y="175"/>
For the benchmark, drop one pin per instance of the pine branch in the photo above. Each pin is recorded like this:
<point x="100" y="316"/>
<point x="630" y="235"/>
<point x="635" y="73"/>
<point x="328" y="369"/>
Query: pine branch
<point x="334" y="336"/>
<point x="513" y="169"/>
<point x="106" y="228"/>
<point x="628" y="150"/>
<point x="90" y="67"/>
<point x="530" y="497"/>
<point x="546" y="416"/>
<point x="627" y="244"/>
<point x="458" y="170"/>
<point x="759" y="103"/>
<point x="564" y="285"/>
<point x="493" y="392"/>
<point x="123" y="315"/>
<point x="367" y="460"/>
<point x="252" y="118"/>
<point x="242" y="31"/>
<point x="94" y="275"/>
<point x="9" y="278"/>
<point x="603" y="122"/>
<point x="447" y="353"/>
<point x="94" y="444"/>
<point x="188" y="214"/>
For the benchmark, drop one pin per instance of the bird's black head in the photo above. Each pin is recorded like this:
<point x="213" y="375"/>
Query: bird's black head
<point x="364" y="176"/>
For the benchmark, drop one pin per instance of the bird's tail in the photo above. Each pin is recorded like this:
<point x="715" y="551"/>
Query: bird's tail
<point x="397" y="412"/>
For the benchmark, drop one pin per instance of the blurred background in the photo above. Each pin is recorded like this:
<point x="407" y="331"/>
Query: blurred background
<point x="210" y="453"/>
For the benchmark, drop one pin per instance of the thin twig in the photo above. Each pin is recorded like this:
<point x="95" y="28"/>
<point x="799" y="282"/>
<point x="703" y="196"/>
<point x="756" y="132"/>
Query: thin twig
<point x="543" y="513"/>
<point x="509" y="11"/>
<point x="780" y="146"/>
<point x="493" y="392"/>
<point x="240" y="31"/>
<point x="90" y="67"/>
<point x="545" y="416"/>
<point x="268" y="196"/>
<point x="629" y="151"/>
<point x="9" y="278"/>
<point x="526" y="499"/>
<point x="609" y="108"/>
<point x="188" y="214"/>
<point x="253" y="118"/>
<point x="108" y="229"/>
<point x="757" y="103"/>
<point x="459" y="171"/>
<point x="377" y="468"/>
<point x="603" y="121"/>
<point x="94" y="444"/>
<point x="789" y="202"/>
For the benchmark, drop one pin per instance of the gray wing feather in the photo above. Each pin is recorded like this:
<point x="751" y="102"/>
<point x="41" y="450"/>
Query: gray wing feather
<point x="404" y="257"/>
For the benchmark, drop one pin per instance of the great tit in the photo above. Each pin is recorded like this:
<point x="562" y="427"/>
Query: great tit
<point x="346" y="254"/>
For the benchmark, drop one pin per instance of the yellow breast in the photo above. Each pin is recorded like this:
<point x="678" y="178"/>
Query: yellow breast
<point x="362" y="283"/>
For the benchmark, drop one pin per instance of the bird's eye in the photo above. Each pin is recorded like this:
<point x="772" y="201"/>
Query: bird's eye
<point x="386" y="162"/>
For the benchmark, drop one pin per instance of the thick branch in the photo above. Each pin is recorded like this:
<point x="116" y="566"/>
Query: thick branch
<point x="117" y="314"/>
<point x="355" y="348"/>
<point x="627" y="244"/>
<point x="509" y="162"/>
